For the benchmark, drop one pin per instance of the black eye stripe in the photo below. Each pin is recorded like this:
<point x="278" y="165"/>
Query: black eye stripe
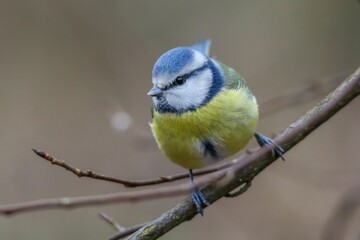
<point x="196" y="71"/>
<point x="188" y="75"/>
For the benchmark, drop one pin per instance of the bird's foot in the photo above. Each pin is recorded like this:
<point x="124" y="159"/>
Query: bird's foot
<point x="199" y="200"/>
<point x="275" y="148"/>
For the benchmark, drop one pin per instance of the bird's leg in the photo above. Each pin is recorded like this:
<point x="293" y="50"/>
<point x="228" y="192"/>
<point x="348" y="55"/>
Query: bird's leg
<point x="197" y="196"/>
<point x="275" y="148"/>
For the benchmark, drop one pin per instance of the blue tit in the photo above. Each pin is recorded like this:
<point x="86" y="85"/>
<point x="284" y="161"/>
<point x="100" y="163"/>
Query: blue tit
<point x="203" y="111"/>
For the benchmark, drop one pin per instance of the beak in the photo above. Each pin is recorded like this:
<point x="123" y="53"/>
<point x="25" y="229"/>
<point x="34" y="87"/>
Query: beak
<point x="154" y="91"/>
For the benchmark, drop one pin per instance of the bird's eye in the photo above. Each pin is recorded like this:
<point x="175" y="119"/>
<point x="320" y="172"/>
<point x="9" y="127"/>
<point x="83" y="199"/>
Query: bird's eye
<point x="180" y="80"/>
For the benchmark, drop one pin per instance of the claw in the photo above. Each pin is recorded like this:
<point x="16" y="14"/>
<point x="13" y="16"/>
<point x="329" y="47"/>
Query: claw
<point x="198" y="197"/>
<point x="275" y="148"/>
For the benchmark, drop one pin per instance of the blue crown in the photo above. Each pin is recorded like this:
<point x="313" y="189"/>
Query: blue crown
<point x="173" y="61"/>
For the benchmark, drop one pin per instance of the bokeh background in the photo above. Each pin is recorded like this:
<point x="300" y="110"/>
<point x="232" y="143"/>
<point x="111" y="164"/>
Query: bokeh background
<point x="73" y="81"/>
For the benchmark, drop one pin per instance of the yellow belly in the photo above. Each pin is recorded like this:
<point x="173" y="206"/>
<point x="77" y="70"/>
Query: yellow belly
<point x="228" y="121"/>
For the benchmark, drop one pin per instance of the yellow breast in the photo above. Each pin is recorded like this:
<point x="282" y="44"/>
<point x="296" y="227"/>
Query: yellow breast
<point x="227" y="122"/>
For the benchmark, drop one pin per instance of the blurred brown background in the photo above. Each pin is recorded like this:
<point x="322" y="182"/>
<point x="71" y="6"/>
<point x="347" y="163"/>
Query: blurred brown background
<point x="73" y="81"/>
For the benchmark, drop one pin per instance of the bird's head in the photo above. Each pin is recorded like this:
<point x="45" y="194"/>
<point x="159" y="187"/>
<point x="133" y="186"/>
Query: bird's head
<point x="184" y="79"/>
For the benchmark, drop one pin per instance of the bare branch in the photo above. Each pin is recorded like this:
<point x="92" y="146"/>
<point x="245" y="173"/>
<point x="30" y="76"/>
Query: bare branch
<point x="121" y="231"/>
<point x="68" y="202"/>
<point x="127" y="231"/>
<point x="111" y="222"/>
<point x="127" y="183"/>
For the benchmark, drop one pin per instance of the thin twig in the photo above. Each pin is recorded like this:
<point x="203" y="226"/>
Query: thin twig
<point x="127" y="183"/>
<point x="126" y="232"/>
<point x="243" y="188"/>
<point x="111" y="222"/>
<point x="141" y="195"/>
<point x="121" y="231"/>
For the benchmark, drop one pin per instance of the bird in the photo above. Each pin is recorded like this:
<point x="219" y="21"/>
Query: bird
<point x="202" y="111"/>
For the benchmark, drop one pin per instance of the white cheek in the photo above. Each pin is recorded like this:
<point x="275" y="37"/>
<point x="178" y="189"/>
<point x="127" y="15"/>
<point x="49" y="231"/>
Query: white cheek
<point x="192" y="93"/>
